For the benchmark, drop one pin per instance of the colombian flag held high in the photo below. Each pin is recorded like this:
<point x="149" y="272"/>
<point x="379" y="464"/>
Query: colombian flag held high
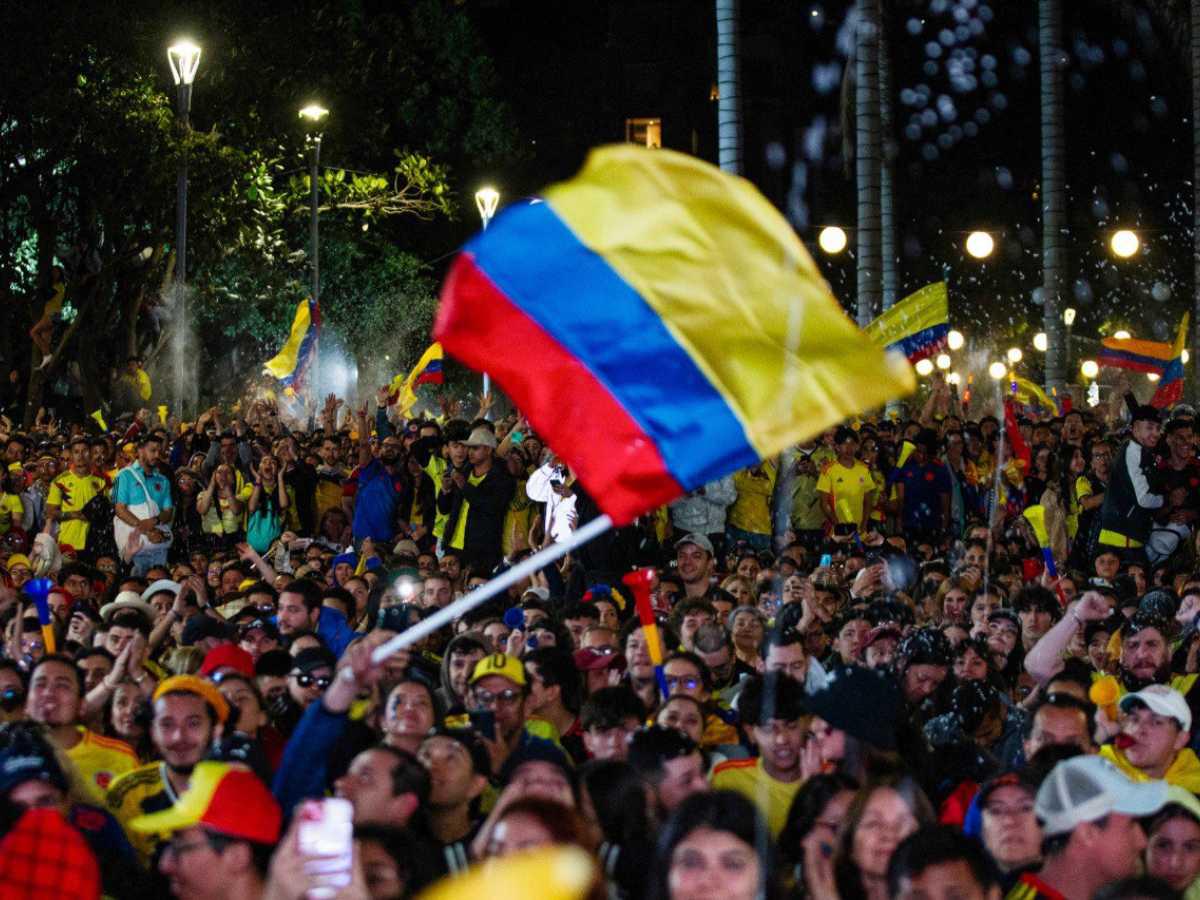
<point x="917" y="326"/>
<point x="1170" y="386"/>
<point x="661" y="325"/>
<point x="291" y="364"/>
<point x="1134" y="354"/>
<point x="428" y="370"/>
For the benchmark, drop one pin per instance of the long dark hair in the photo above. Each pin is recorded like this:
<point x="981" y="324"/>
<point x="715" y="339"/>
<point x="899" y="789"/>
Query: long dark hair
<point x="618" y="795"/>
<point x="845" y="869"/>
<point x="718" y="811"/>
<point x="808" y="804"/>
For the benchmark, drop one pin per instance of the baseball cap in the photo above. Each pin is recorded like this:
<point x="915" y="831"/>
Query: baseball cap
<point x="589" y="659"/>
<point x="700" y="540"/>
<point x="1146" y="413"/>
<point x="28" y="757"/>
<point x="308" y="661"/>
<point x="1022" y="778"/>
<point x="17" y="559"/>
<point x="223" y="797"/>
<point x="1087" y="788"/>
<point x="200" y="626"/>
<point x="227" y="656"/>
<point x="406" y="547"/>
<point x="190" y="684"/>
<point x="1164" y="701"/>
<point x="269" y="629"/>
<point x="501" y="664"/>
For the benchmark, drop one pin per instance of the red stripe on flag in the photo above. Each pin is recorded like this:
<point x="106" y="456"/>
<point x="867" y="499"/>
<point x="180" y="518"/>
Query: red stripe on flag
<point x="615" y="460"/>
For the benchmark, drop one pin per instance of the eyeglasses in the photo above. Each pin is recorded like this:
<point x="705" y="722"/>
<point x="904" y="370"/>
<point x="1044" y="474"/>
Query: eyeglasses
<point x="506" y="697"/>
<point x="674" y="681"/>
<point x="306" y="681"/>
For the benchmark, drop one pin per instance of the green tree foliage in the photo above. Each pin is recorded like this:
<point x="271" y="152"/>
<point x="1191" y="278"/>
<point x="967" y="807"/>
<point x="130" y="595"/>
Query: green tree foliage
<point x="90" y="146"/>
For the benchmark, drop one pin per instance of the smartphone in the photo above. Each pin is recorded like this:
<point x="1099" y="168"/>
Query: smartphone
<point x="326" y="841"/>
<point x="484" y="722"/>
<point x="826" y="560"/>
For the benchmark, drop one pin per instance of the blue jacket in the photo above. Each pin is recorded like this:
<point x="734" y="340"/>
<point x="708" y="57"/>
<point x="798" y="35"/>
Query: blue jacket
<point x="334" y="630"/>
<point x="304" y="769"/>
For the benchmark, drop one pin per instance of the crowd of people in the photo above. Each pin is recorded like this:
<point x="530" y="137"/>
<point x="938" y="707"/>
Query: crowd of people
<point x="872" y="682"/>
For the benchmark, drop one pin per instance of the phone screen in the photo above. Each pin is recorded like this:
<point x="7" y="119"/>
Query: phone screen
<point x="484" y="722"/>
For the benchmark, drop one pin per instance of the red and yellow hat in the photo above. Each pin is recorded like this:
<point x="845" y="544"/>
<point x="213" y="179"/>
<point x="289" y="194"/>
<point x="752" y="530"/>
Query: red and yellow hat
<point x="223" y="797"/>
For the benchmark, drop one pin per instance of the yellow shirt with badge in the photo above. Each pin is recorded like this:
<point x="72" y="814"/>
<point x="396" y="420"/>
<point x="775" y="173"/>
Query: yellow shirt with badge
<point x="849" y="488"/>
<point x="71" y="493"/>
<point x="11" y="511"/>
<point x="100" y="761"/>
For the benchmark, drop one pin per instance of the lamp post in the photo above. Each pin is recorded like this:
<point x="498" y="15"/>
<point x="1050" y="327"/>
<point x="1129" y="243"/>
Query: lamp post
<point x="486" y="200"/>
<point x="314" y="115"/>
<point x="184" y="59"/>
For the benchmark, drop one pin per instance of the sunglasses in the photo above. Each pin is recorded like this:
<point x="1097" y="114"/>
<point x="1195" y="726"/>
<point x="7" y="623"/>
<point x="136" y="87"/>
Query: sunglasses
<point x="506" y="697"/>
<point x="306" y="681"/>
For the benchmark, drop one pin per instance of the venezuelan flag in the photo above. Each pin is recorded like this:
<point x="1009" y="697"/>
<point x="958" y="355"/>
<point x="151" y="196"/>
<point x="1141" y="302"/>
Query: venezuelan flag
<point x="428" y="370"/>
<point x="1170" y="386"/>
<point x="661" y="325"/>
<point x="917" y="326"/>
<point x="1134" y="354"/>
<point x="292" y="362"/>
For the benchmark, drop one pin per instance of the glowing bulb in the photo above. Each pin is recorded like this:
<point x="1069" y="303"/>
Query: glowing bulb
<point x="954" y="340"/>
<point x="1122" y="335"/>
<point x="1089" y="368"/>
<point x="1039" y="342"/>
<point x="832" y="239"/>
<point x="943" y="361"/>
<point x="997" y="370"/>
<point x="954" y="378"/>
<point x="1124" y="243"/>
<point x="923" y="367"/>
<point x="1014" y="355"/>
<point x="1152" y="377"/>
<point x="980" y="244"/>
<point x="1069" y="316"/>
<point x="314" y="113"/>
<point x="1186" y="356"/>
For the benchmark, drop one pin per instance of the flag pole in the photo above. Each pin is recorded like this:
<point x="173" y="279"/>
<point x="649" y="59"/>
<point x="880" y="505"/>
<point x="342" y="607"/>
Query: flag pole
<point x="502" y="582"/>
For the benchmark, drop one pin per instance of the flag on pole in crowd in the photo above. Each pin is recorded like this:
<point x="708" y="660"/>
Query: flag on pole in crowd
<point x="639" y="583"/>
<point x="1170" y="385"/>
<point x="1134" y="354"/>
<point x="1028" y="392"/>
<point x="428" y="370"/>
<point x="917" y="326"/>
<point x="291" y="364"/>
<point x="660" y="325"/>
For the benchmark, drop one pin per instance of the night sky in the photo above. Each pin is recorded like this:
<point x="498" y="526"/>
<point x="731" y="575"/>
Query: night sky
<point x="967" y="133"/>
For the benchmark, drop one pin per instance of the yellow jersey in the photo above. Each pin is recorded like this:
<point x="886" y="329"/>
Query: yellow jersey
<point x="748" y="777"/>
<point x="99" y="761"/>
<point x="71" y="493"/>
<point x="138" y="792"/>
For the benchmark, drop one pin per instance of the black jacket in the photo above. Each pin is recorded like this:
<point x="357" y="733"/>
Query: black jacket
<point x="487" y="502"/>
<point x="1130" y="500"/>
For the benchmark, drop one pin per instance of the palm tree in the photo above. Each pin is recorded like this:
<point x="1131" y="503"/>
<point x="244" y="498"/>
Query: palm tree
<point x="729" y="95"/>
<point x="887" y="184"/>
<point x="867" y="159"/>
<point x="1054" y="188"/>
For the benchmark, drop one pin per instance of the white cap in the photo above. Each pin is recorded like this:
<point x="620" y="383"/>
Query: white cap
<point x="1162" y="700"/>
<point x="163" y="585"/>
<point x="1087" y="788"/>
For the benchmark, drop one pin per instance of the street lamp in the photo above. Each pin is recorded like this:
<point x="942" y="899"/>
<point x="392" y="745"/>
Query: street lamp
<point x="954" y="339"/>
<point x="487" y="198"/>
<point x="313" y="115"/>
<point x="980" y="244"/>
<point x="1089" y="369"/>
<point x="1015" y="355"/>
<point x="184" y="58"/>
<point x="1069" y="316"/>
<point x="832" y="239"/>
<point x="924" y="367"/>
<point x="1039" y="342"/>
<point x="954" y="378"/>
<point x="997" y="370"/>
<point x="943" y="361"/>
<point x="1152" y="377"/>
<point x="1122" y="335"/>
<point x="1124" y="243"/>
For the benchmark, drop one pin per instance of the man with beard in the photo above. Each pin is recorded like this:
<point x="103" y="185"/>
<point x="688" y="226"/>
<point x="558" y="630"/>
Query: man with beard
<point x="1145" y="651"/>
<point x="189" y="714"/>
<point x="475" y="499"/>
<point x="694" y="564"/>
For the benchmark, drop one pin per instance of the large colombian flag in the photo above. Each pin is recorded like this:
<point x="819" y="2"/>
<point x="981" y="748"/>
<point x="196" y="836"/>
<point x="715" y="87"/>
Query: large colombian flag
<point x="1134" y="354"/>
<point x="661" y="325"/>
<point x="291" y="364"/>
